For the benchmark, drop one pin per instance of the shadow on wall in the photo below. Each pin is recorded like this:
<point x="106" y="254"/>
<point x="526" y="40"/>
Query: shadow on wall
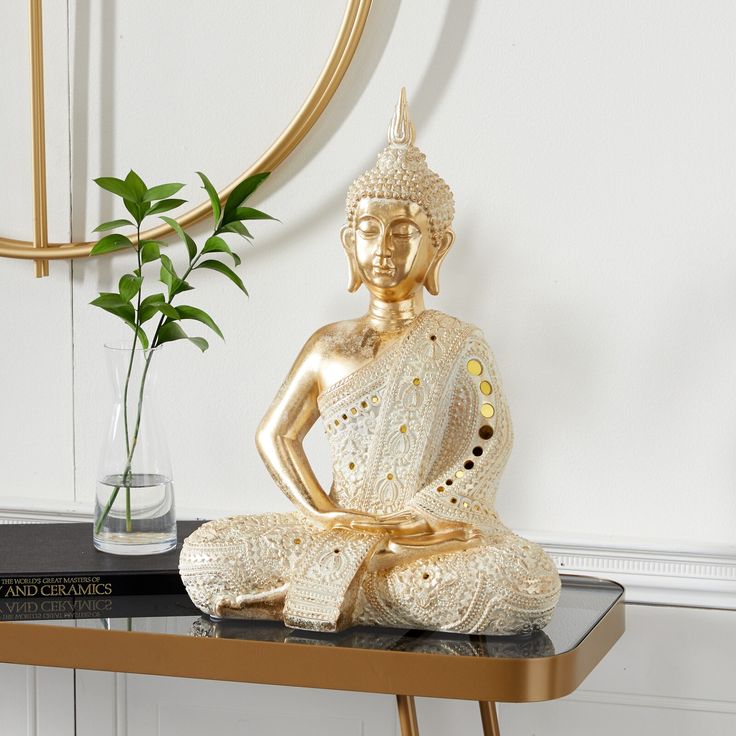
<point x="376" y="36"/>
<point x="80" y="105"/>
<point x="423" y="102"/>
<point x="80" y="111"/>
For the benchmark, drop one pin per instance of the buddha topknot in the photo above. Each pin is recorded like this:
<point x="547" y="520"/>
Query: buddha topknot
<point x="401" y="172"/>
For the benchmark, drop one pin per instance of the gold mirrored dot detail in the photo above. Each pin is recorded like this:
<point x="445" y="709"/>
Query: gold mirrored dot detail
<point x="351" y="466"/>
<point x="441" y="489"/>
<point x="353" y="411"/>
<point x="364" y="404"/>
<point x="417" y="381"/>
<point x="486" y="388"/>
<point x="459" y="473"/>
<point x="487" y="410"/>
<point x="402" y="429"/>
<point x="390" y="476"/>
<point x="474" y="367"/>
<point x="374" y="399"/>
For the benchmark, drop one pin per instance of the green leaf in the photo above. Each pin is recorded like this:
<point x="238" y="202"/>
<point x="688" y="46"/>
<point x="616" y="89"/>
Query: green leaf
<point x="168" y="265"/>
<point x="150" y="250"/>
<point x="141" y="335"/>
<point x="116" y="306"/>
<point x="165" y="205"/>
<point x="212" y="194"/>
<point x="149" y="306"/>
<point x="136" y="185"/>
<point x="215" y="244"/>
<point x="167" y="278"/>
<point x="129" y="286"/>
<point x="153" y="299"/>
<point x="249" y="213"/>
<point x="241" y="192"/>
<point x="238" y="228"/>
<point x="226" y="270"/>
<point x="162" y="191"/>
<point x="168" y="310"/>
<point x="187" y="312"/>
<point x="137" y="209"/>
<point x="191" y="245"/>
<point x="110" y="243"/>
<point x="116" y="186"/>
<point x="112" y="225"/>
<point x="171" y="331"/>
<point x="109" y="299"/>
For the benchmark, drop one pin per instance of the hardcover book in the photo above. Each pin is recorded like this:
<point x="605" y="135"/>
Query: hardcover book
<point x="99" y="607"/>
<point x="60" y="561"/>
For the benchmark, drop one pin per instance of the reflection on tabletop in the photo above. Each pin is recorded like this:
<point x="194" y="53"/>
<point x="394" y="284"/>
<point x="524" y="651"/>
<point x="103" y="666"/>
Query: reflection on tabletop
<point x="584" y="601"/>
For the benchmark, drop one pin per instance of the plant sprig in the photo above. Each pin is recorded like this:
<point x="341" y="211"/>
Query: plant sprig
<point x="127" y="303"/>
<point x="135" y="310"/>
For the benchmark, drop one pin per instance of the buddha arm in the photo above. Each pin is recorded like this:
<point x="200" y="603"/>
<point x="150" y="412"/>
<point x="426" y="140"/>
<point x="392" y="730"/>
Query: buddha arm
<point x="283" y="429"/>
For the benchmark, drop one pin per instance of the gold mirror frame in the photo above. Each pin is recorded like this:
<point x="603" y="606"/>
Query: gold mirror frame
<point x="42" y="251"/>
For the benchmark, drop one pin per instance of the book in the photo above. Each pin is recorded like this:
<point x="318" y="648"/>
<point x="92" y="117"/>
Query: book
<point x="60" y="561"/>
<point x="100" y="607"/>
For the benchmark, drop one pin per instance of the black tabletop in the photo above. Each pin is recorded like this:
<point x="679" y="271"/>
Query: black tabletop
<point x="583" y="603"/>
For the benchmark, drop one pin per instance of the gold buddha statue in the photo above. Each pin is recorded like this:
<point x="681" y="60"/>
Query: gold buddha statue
<point x="419" y="431"/>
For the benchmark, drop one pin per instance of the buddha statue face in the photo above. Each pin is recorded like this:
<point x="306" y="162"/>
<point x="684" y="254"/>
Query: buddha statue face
<point x="391" y="248"/>
<point x="399" y="215"/>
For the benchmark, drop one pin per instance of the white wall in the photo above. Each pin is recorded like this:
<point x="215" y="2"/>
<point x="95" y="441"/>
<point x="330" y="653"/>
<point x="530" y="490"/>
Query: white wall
<point x="590" y="147"/>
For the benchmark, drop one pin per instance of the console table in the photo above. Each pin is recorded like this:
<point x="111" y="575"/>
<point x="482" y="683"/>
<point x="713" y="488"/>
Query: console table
<point x="164" y="635"/>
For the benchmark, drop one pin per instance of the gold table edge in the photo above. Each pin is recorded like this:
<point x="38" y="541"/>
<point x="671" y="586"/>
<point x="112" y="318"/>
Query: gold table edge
<point x="306" y="665"/>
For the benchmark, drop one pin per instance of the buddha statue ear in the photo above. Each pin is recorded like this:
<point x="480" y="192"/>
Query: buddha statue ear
<point x="432" y="279"/>
<point x="347" y="236"/>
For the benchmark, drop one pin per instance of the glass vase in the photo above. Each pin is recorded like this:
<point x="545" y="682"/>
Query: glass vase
<point x="134" y="501"/>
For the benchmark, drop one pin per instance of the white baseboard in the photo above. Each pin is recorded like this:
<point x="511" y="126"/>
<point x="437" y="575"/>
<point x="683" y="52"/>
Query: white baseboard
<point x="701" y="576"/>
<point x="668" y="575"/>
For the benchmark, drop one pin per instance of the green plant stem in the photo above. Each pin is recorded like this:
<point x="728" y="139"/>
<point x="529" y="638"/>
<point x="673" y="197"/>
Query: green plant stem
<point x="129" y="462"/>
<point x="131" y="449"/>
<point x="128" y="450"/>
<point x="128" y="516"/>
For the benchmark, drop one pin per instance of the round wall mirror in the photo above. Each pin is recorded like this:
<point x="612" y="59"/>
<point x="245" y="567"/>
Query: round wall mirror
<point x="135" y="72"/>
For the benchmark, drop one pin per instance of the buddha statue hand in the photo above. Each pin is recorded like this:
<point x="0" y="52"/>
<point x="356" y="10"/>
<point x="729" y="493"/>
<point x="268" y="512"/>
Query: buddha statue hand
<point x="415" y="529"/>
<point x="402" y="523"/>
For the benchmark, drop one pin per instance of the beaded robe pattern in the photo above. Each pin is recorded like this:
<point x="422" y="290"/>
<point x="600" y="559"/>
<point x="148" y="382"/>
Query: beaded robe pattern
<point x="424" y="426"/>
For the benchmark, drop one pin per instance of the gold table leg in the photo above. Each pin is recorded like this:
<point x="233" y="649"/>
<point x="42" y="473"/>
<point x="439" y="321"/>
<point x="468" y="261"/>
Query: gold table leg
<point x="489" y="718"/>
<point x="407" y="715"/>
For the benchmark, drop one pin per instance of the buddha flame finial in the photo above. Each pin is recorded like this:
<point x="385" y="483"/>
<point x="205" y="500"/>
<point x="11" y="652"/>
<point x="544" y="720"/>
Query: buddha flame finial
<point x="401" y="130"/>
<point x="401" y="172"/>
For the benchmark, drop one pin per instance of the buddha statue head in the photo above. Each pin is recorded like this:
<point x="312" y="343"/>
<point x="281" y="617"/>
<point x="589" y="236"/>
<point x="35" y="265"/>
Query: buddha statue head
<point x="399" y="216"/>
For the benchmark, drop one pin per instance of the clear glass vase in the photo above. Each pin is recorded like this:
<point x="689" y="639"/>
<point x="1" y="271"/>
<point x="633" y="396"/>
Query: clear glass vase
<point x="134" y="502"/>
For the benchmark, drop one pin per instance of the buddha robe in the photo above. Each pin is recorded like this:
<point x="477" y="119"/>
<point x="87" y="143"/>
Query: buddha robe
<point x="423" y="427"/>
